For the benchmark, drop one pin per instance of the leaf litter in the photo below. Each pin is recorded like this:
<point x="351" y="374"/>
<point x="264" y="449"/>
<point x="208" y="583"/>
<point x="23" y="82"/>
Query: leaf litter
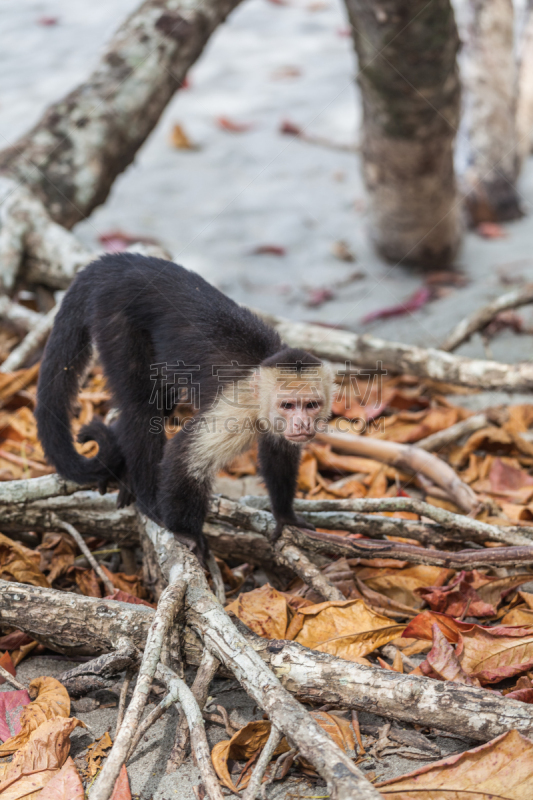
<point x="472" y="626"/>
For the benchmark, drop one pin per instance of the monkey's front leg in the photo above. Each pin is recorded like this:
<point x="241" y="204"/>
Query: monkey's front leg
<point x="279" y="461"/>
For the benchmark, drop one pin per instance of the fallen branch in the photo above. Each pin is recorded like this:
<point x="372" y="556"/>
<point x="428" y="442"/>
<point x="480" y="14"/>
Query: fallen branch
<point x="200" y="690"/>
<point x="441" y="439"/>
<point x="314" y="677"/>
<point x="22" y="318"/>
<point x="362" y="350"/>
<point x="293" y="557"/>
<point x="406" y="457"/>
<point x="481" y="318"/>
<point x="66" y="526"/>
<point x="171" y="598"/>
<point x="123" y="698"/>
<point x="224" y="640"/>
<point x="94" y="674"/>
<point x="196" y="724"/>
<point x="316" y="542"/>
<point x="7" y="676"/>
<point x="35" y="339"/>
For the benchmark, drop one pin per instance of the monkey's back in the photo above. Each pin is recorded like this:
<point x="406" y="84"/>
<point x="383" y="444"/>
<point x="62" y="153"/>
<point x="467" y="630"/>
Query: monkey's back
<point x="187" y="318"/>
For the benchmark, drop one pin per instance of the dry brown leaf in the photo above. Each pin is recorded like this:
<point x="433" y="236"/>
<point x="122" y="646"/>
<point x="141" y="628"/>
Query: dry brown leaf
<point x="87" y="582"/>
<point x="122" y="786"/>
<point x="242" y="746"/>
<point x="96" y="751"/>
<point x="307" y="472"/>
<point x="348" y="629"/>
<point x="65" y="785"/>
<point x="401" y="586"/>
<point x="38" y="760"/>
<point x="179" y="139"/>
<point x="519" y="616"/>
<point x="499" y="770"/>
<point x="443" y="662"/>
<point x="132" y="584"/>
<point x="13" y="382"/>
<point x="52" y="701"/>
<point x="263" y="610"/>
<point x="19" y="563"/>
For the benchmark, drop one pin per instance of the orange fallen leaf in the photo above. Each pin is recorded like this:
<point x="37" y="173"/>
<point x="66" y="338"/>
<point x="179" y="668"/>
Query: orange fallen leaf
<point x="38" y="760"/>
<point x="97" y="751"/>
<point x="65" y="785"/>
<point x="227" y="124"/>
<point x="402" y="586"/>
<point x="502" y="769"/>
<point x="7" y="663"/>
<point x="242" y="746"/>
<point x="263" y="610"/>
<point x="52" y="701"/>
<point x="179" y="139"/>
<point x="348" y="629"/>
<point x="19" y="563"/>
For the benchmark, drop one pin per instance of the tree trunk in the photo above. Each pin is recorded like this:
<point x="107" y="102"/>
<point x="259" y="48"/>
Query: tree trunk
<point x="524" y="99"/>
<point x="72" y="156"/>
<point x="489" y="74"/>
<point x="411" y="96"/>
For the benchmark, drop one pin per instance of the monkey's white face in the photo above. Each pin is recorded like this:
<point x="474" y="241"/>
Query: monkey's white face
<point x="295" y="417"/>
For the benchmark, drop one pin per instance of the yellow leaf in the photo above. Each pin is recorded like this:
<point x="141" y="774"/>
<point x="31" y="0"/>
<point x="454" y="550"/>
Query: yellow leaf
<point x="501" y="769"/>
<point x="52" y="701"/>
<point x="179" y="139"/>
<point x="348" y="629"/>
<point x="401" y="586"/>
<point x="263" y="610"/>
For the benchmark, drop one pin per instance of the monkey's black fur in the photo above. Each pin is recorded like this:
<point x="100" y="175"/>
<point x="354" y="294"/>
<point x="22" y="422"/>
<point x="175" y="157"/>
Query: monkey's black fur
<point x="141" y="312"/>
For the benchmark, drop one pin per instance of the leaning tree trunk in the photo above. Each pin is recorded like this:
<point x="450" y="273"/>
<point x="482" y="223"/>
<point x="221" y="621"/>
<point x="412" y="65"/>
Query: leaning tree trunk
<point x="524" y="98"/>
<point x="489" y="75"/>
<point x="62" y="169"/>
<point x="411" y="96"/>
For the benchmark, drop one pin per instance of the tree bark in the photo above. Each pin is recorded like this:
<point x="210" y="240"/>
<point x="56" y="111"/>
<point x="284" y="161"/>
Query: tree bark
<point x="411" y="95"/>
<point x="71" y="158"/>
<point x="94" y="627"/>
<point x="524" y="99"/>
<point x="489" y="74"/>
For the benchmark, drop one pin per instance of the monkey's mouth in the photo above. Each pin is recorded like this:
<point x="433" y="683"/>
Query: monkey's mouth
<point x="299" y="437"/>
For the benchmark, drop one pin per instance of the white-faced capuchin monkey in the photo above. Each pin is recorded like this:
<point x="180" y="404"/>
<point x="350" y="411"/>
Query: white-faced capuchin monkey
<point x="164" y="335"/>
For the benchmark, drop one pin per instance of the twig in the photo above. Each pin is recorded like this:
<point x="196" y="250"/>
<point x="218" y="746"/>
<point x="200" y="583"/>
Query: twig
<point x="171" y="598"/>
<point x="443" y="438"/>
<point x="11" y="679"/>
<point x="258" y="774"/>
<point x="200" y="689"/>
<point x="289" y="755"/>
<point x="198" y="738"/>
<point x="481" y="318"/>
<point x="406" y="457"/>
<point x="94" y="674"/>
<point x="108" y="584"/>
<point x="123" y="697"/>
<point x="218" y="581"/>
<point x="357" y="731"/>
<point x="157" y="712"/>
<point x="293" y="557"/>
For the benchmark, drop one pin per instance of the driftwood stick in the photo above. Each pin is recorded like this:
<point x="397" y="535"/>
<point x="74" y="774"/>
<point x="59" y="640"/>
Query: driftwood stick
<point x="123" y="698"/>
<point x="293" y="557"/>
<point x="200" y="689"/>
<point x="7" y="676"/>
<point x="93" y="675"/>
<point x="196" y="724"/>
<point x="362" y="350"/>
<point x="316" y="542"/>
<point x="406" y="457"/>
<point x="95" y="625"/>
<point x="171" y="598"/>
<point x="437" y="441"/>
<point x="263" y="761"/>
<point x="224" y="640"/>
<point x="456" y="526"/>
<point x="66" y="526"/>
<point x="22" y="318"/>
<point x="481" y="318"/>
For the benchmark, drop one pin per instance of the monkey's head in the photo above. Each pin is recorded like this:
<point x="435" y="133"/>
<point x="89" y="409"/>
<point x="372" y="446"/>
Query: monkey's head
<point x="295" y="394"/>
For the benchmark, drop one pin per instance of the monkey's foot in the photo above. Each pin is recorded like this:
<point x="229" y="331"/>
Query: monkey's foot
<point x="298" y="522"/>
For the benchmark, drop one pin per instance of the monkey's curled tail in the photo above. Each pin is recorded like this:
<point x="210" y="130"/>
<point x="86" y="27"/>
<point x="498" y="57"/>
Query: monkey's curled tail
<point x="65" y="359"/>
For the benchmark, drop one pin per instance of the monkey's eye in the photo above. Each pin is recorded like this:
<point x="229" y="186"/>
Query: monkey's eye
<point x="313" y="404"/>
<point x="287" y="406"/>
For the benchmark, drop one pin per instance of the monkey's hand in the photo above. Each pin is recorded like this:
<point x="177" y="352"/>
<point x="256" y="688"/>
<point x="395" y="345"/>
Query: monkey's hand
<point x="296" y="520"/>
